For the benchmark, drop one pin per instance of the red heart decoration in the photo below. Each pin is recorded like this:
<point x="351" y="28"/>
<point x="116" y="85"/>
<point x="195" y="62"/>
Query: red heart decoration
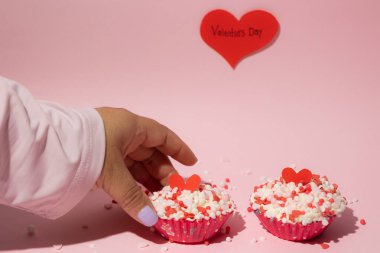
<point x="304" y="176"/>
<point x="234" y="39"/>
<point x="192" y="183"/>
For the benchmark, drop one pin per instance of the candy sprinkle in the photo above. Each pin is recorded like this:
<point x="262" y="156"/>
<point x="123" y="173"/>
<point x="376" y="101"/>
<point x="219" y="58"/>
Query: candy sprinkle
<point x="164" y="249"/>
<point x="324" y="245"/>
<point x="107" y="206"/>
<point x="262" y="238"/>
<point x="206" y="243"/>
<point x="57" y="246"/>
<point x="363" y="222"/>
<point x="228" y="239"/>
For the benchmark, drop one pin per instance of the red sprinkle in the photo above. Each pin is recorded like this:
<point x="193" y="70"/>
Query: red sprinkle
<point x="228" y="229"/>
<point x="321" y="201"/>
<point x="331" y="200"/>
<point x="363" y="222"/>
<point x="324" y="245"/>
<point x="226" y="187"/>
<point x="207" y="243"/>
<point x="171" y="240"/>
<point x="250" y="209"/>
<point x="228" y="180"/>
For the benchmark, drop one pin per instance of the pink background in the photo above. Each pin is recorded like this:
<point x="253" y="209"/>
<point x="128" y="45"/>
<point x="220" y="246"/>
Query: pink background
<point x="312" y="98"/>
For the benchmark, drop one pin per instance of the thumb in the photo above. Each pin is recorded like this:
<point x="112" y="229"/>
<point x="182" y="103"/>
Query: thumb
<point x="124" y="189"/>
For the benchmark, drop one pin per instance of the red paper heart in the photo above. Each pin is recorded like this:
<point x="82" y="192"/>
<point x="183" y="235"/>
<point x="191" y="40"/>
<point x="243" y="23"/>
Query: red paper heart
<point x="304" y="176"/>
<point x="192" y="183"/>
<point x="234" y="39"/>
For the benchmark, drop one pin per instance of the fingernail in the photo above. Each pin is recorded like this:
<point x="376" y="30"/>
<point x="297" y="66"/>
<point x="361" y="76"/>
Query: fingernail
<point x="147" y="216"/>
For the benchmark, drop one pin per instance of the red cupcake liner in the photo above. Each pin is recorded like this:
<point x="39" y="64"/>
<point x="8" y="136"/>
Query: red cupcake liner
<point x="189" y="232"/>
<point x="293" y="232"/>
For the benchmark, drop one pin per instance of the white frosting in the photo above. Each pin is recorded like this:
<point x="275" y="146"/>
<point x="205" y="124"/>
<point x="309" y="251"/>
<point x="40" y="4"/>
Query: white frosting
<point x="308" y="203"/>
<point x="210" y="202"/>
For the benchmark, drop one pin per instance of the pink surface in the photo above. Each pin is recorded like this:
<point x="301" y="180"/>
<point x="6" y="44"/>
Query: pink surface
<point x="312" y="98"/>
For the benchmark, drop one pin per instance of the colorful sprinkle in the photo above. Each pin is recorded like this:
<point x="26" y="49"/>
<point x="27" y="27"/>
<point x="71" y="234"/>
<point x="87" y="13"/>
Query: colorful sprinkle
<point x="324" y="245"/>
<point x="363" y="222"/>
<point x="206" y="243"/>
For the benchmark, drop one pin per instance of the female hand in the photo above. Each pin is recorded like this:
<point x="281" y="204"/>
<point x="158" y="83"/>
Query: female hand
<point x="137" y="150"/>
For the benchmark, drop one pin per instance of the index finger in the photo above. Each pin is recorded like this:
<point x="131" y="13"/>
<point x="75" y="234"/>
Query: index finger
<point x="167" y="142"/>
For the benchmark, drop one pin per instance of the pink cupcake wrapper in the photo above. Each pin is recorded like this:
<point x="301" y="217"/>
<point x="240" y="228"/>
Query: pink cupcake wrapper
<point x="184" y="231"/>
<point x="293" y="232"/>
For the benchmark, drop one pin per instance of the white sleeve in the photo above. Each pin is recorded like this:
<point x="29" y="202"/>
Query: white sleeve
<point x="50" y="155"/>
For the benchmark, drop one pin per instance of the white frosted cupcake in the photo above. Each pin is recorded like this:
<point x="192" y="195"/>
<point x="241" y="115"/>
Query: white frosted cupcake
<point x="191" y="212"/>
<point x="298" y="206"/>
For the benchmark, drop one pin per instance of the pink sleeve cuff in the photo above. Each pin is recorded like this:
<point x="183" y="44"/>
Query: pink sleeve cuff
<point x="89" y="168"/>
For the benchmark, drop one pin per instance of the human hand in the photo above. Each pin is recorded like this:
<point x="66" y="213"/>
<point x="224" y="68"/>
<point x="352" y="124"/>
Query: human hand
<point x="137" y="150"/>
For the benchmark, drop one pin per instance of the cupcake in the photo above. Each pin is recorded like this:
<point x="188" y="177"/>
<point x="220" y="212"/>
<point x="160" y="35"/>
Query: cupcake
<point x="298" y="206"/>
<point x="191" y="212"/>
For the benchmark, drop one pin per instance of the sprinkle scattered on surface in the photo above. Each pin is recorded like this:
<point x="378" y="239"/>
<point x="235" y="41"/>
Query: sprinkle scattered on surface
<point x="206" y="243"/>
<point x="108" y="206"/>
<point x="57" y="246"/>
<point x="164" y="249"/>
<point x="363" y="222"/>
<point x="324" y="245"/>
<point x="228" y="239"/>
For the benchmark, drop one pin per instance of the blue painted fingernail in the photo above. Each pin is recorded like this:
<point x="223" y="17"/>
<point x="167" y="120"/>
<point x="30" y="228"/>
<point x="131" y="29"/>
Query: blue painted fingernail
<point x="147" y="216"/>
